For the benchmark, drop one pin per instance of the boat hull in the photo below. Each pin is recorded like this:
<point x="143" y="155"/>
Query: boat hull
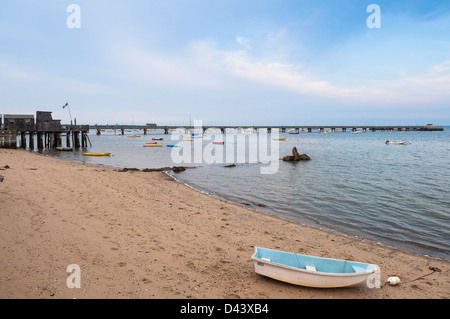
<point x="152" y="145"/>
<point x="311" y="278"/>
<point x="397" y="143"/>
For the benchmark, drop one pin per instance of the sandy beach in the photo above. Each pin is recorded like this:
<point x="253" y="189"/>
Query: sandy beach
<point x="143" y="235"/>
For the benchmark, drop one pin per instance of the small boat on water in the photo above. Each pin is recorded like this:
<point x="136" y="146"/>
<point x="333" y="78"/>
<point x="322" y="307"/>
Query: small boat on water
<point x="187" y="138"/>
<point x="173" y="145"/>
<point x="96" y="154"/>
<point x="64" y="149"/>
<point x="133" y="136"/>
<point x="397" y="143"/>
<point x="310" y="271"/>
<point x="152" y="145"/>
<point x="219" y="143"/>
<point x="280" y="139"/>
<point x="157" y="138"/>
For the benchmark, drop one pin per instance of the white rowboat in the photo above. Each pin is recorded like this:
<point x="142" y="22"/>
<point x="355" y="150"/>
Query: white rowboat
<point x="311" y="271"/>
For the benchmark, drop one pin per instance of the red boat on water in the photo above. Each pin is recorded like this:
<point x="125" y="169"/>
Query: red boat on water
<point x="151" y="143"/>
<point x="218" y="142"/>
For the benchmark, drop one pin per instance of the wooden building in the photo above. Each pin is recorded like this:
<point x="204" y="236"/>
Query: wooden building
<point x="45" y="122"/>
<point x="19" y="122"/>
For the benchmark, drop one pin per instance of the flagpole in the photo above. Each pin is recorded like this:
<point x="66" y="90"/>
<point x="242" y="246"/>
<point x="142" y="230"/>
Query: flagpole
<point x="71" y="125"/>
<point x="70" y="114"/>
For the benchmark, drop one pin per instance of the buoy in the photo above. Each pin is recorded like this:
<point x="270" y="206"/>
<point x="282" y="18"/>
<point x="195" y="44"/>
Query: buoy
<point x="393" y="281"/>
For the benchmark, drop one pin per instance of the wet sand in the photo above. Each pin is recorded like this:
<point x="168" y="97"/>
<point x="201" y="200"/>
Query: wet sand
<point x="143" y="235"/>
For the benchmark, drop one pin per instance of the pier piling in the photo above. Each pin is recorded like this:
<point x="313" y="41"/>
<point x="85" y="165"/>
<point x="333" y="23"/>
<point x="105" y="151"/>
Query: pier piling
<point x="31" y="134"/>
<point x="40" y="142"/>
<point x="77" y="139"/>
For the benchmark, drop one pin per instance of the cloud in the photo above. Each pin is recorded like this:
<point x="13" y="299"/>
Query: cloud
<point x="244" y="42"/>
<point x="286" y="76"/>
<point x="18" y="74"/>
<point x="203" y="66"/>
<point x="435" y="83"/>
<point x="440" y="68"/>
<point x="10" y="72"/>
<point x="189" y="68"/>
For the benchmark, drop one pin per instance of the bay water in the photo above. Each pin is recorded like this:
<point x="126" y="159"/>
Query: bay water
<point x="354" y="184"/>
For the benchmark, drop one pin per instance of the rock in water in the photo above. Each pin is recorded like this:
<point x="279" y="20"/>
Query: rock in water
<point x="296" y="156"/>
<point x="304" y="157"/>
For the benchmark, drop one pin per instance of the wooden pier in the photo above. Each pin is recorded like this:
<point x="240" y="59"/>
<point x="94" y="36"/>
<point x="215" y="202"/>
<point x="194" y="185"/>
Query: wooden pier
<point x="49" y="133"/>
<point x="294" y="129"/>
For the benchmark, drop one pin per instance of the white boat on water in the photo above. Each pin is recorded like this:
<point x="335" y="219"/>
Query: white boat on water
<point x="311" y="271"/>
<point x="397" y="143"/>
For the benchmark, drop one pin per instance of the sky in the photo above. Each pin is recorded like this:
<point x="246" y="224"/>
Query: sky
<point x="227" y="62"/>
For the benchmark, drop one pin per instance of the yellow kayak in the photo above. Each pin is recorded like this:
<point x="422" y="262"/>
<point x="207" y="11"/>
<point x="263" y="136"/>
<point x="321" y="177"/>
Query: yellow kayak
<point x="96" y="154"/>
<point x="151" y="145"/>
<point x="279" y="139"/>
<point x="133" y="136"/>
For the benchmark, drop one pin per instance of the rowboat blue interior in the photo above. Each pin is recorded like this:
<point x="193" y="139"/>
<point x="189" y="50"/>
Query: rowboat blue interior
<point x="320" y="264"/>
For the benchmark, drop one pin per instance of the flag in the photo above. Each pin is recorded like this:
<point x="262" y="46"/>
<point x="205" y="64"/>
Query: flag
<point x="64" y="106"/>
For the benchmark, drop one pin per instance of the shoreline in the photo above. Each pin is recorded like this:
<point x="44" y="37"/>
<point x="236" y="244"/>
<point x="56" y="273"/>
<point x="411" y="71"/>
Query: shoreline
<point x="406" y="246"/>
<point x="148" y="235"/>
<point x="316" y="225"/>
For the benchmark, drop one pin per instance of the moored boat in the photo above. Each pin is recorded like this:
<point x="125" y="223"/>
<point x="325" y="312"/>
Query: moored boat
<point x="397" y="143"/>
<point x="157" y="138"/>
<point x="218" y="142"/>
<point x="152" y="145"/>
<point x="96" y="154"/>
<point x="173" y="146"/>
<point x="133" y="136"/>
<point x="311" y="271"/>
<point x="280" y="139"/>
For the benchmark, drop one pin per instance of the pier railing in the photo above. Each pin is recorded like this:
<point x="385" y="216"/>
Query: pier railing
<point x="8" y="139"/>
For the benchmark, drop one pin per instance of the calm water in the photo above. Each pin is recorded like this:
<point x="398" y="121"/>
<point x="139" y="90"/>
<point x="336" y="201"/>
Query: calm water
<point x="355" y="184"/>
